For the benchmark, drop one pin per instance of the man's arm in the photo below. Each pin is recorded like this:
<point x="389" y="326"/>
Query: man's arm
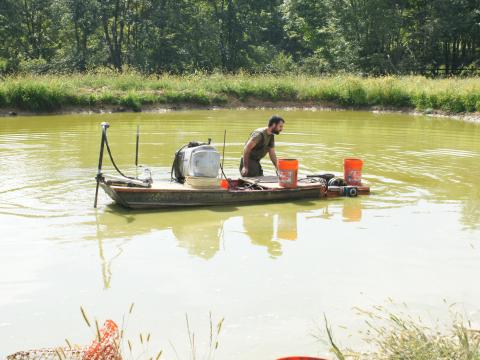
<point x="273" y="156"/>
<point x="246" y="155"/>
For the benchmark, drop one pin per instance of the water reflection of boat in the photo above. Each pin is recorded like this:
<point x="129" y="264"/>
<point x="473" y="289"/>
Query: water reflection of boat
<point x="201" y="238"/>
<point x="106" y="260"/>
<point x="352" y="210"/>
<point x="106" y="263"/>
<point x="270" y="228"/>
<point x="200" y="232"/>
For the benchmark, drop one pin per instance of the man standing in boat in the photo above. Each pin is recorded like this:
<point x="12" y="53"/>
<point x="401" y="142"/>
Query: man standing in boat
<point x="261" y="142"/>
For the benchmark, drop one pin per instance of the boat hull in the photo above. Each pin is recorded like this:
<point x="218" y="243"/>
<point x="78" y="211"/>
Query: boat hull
<point x="154" y="198"/>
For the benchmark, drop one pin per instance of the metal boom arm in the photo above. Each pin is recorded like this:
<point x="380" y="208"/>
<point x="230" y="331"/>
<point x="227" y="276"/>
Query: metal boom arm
<point x="104" y="126"/>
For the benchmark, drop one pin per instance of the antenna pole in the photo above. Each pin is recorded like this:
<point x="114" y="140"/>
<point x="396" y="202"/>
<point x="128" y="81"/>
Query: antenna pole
<point x="136" y="148"/>
<point x="223" y="152"/>
<point x="104" y="126"/>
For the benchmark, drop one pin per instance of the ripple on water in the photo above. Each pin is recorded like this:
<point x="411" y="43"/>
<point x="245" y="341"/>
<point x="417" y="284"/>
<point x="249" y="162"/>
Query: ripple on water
<point x="421" y="225"/>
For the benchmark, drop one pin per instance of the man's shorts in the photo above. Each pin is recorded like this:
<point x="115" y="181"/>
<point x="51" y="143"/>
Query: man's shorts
<point x="254" y="168"/>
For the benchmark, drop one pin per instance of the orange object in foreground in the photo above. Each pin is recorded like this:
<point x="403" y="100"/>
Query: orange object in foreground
<point x="352" y="171"/>
<point x="107" y="347"/>
<point x="287" y="172"/>
<point x="301" y="358"/>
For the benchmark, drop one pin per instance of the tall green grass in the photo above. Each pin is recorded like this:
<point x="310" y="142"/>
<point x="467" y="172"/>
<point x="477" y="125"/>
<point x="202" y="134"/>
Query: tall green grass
<point x="390" y="336"/>
<point x="134" y="91"/>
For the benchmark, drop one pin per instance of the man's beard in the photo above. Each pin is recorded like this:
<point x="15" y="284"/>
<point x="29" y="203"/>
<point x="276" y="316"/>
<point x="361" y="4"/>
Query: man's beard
<point x="276" y="132"/>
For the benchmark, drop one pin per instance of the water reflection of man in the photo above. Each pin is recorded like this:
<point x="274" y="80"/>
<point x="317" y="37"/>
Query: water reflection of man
<point x="287" y="226"/>
<point x="261" y="142"/>
<point x="261" y="232"/>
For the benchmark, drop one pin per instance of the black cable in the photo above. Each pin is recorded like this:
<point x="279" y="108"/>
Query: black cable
<point x="175" y="161"/>
<point x="113" y="161"/>
<point x="310" y="180"/>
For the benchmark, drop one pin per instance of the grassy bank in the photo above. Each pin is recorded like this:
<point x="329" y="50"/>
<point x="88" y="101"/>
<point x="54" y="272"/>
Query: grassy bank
<point x="389" y="336"/>
<point x="131" y="91"/>
<point x="400" y="337"/>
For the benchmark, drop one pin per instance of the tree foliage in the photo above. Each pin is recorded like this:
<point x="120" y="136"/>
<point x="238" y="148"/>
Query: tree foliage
<point x="185" y="36"/>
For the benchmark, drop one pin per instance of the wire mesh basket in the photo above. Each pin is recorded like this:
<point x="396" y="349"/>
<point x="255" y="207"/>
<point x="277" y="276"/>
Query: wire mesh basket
<point x="104" y="347"/>
<point x="50" y="354"/>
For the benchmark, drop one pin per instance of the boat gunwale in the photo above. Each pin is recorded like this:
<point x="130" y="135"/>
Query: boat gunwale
<point x="260" y="196"/>
<point x="127" y="189"/>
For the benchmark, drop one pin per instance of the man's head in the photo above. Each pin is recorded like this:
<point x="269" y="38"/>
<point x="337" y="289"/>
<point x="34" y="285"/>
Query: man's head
<point x="275" y="124"/>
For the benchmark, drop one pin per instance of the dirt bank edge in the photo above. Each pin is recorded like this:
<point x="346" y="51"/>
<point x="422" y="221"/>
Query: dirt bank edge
<point x="236" y="105"/>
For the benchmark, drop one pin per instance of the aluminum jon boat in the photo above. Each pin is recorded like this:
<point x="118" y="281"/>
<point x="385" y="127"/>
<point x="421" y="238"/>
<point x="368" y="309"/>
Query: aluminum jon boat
<point x="240" y="192"/>
<point x="142" y="193"/>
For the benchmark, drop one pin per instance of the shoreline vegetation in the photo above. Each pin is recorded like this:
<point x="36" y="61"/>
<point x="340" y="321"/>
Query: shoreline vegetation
<point x="108" y="91"/>
<point x="387" y="336"/>
<point x="396" y="336"/>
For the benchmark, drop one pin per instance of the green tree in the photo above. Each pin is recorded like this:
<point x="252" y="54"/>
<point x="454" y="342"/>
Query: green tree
<point x="10" y="31"/>
<point x="114" y="15"/>
<point x="317" y="36"/>
<point x="37" y="20"/>
<point x="82" y="17"/>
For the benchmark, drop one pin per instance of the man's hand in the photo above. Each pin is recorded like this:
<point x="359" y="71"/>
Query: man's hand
<point x="244" y="171"/>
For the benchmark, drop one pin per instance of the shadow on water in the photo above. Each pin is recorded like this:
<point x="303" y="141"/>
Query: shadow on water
<point x="202" y="231"/>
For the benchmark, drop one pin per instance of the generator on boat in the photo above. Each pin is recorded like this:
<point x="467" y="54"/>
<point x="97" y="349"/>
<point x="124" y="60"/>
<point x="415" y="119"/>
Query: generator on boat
<point x="196" y="159"/>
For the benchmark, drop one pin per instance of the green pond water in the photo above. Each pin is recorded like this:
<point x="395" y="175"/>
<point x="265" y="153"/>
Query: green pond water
<point x="271" y="270"/>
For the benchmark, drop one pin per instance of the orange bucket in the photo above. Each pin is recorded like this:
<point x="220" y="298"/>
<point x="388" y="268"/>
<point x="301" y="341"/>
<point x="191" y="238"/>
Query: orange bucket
<point x="287" y="172"/>
<point x="352" y="171"/>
